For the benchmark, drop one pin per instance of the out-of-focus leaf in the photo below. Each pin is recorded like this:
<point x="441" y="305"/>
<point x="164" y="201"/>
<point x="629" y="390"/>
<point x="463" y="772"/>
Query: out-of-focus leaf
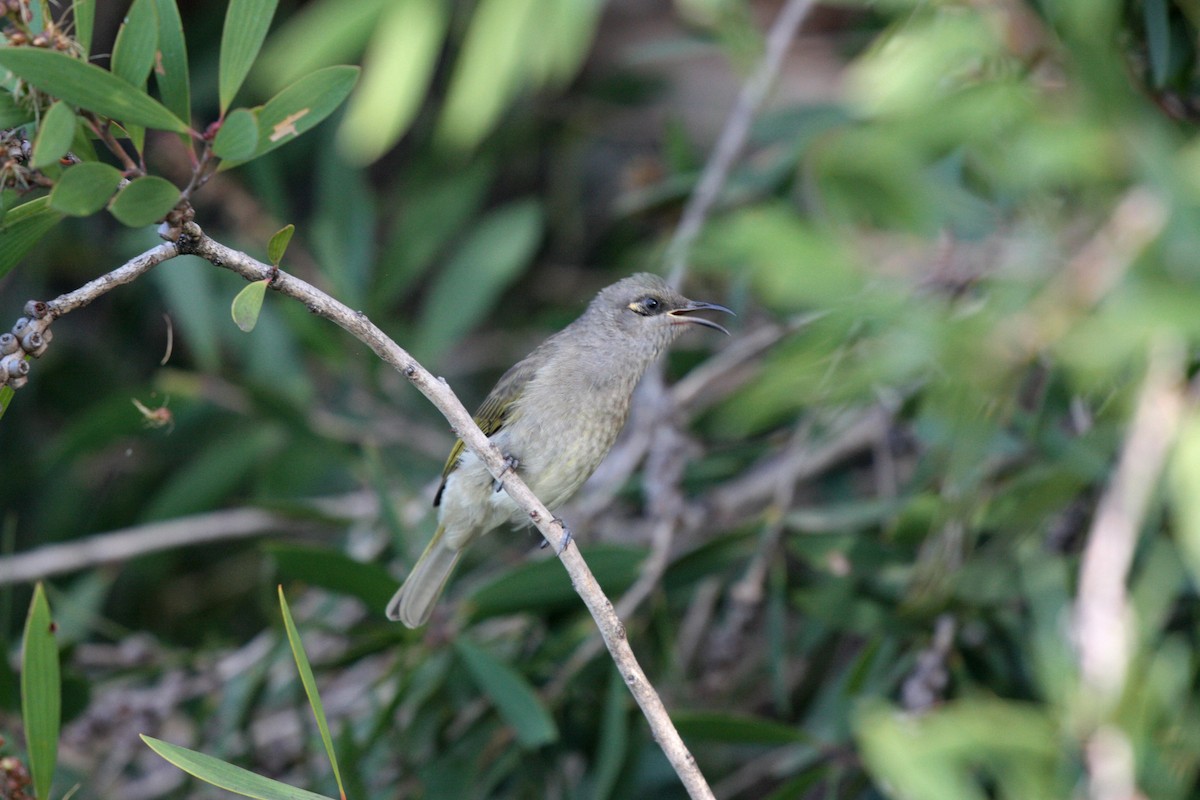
<point x="22" y="228"/>
<point x="171" y="70"/>
<point x="227" y="776"/>
<point x="736" y="728"/>
<point x="39" y="13"/>
<point x="88" y="87"/>
<point x="512" y="695"/>
<point x="54" y="135"/>
<point x="940" y="755"/>
<point x="84" y="14"/>
<point x="41" y="699"/>
<point x="209" y="477"/>
<point x="301" y="106"/>
<point x="238" y="137"/>
<point x="320" y="34"/>
<point x="84" y="188"/>
<point x="329" y="569"/>
<point x="613" y="747"/>
<point x="435" y="210"/>
<point x="397" y="70"/>
<point x="491" y="66"/>
<point x="310" y="688"/>
<point x="564" y="32"/>
<point x="1184" y="483"/>
<point x="12" y="115"/>
<point x="248" y="303"/>
<point x="1158" y="39"/>
<point x="246" y="24"/>
<point x="279" y="243"/>
<point x="144" y="200"/>
<point x="544" y="586"/>
<point x="492" y="256"/>
<point x="137" y="43"/>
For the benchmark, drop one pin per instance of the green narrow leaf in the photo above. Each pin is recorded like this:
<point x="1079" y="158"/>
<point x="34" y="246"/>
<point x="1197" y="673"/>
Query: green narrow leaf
<point x="491" y="65"/>
<point x="397" y="68"/>
<point x="23" y="227"/>
<point x="6" y="396"/>
<point x="54" y="135"/>
<point x="302" y="105"/>
<point x="84" y="188"/>
<point x="171" y="67"/>
<point x="137" y="43"/>
<point x="736" y="728"/>
<point x="493" y="255"/>
<point x="248" y="303"/>
<point x="512" y="695"/>
<point x="543" y="585"/>
<point x="84" y="12"/>
<point x="319" y="34"/>
<point x="238" y="137"/>
<point x="144" y="201"/>
<point x="1158" y="39"/>
<point x="614" y="737"/>
<point x="337" y="572"/>
<point x="41" y="698"/>
<point x="1183" y="478"/>
<point x="310" y="688"/>
<point x="227" y="776"/>
<point x="11" y="114"/>
<point x="279" y="243"/>
<point x="89" y="87"/>
<point x="39" y="12"/>
<point x="246" y="24"/>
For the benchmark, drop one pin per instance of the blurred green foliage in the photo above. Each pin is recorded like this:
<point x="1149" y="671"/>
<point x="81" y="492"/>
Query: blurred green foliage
<point x="983" y="222"/>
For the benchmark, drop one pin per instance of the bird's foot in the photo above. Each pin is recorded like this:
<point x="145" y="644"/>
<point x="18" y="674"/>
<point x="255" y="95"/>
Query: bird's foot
<point x="566" y="538"/>
<point x="510" y="465"/>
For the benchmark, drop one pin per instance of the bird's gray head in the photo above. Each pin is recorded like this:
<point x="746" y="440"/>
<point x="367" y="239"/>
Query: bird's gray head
<point x="647" y="313"/>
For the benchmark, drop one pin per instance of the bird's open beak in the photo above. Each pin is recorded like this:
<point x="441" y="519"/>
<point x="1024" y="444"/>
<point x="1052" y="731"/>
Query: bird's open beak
<point x="696" y="305"/>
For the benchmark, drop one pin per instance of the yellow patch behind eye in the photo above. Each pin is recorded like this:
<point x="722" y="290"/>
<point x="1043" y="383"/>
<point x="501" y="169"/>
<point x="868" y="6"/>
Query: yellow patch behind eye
<point x="635" y="306"/>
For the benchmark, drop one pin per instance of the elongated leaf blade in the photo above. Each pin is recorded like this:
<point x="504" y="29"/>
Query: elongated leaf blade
<point x="54" y="135"/>
<point x="310" y="687"/>
<point x="227" y="776"/>
<point x="137" y="43"/>
<point x="171" y="69"/>
<point x="84" y="12"/>
<point x="246" y="24"/>
<point x="491" y="66"/>
<point x="84" y="189"/>
<point x="23" y="228"/>
<point x="302" y="105"/>
<point x="88" y="87"/>
<point x="399" y="68"/>
<point x="41" y="698"/>
<point x="489" y="259"/>
<point x="144" y="201"/>
<point x="512" y="695"/>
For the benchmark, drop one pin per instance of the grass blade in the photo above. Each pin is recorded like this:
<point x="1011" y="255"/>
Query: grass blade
<point x="310" y="688"/>
<point x="41" y="699"/>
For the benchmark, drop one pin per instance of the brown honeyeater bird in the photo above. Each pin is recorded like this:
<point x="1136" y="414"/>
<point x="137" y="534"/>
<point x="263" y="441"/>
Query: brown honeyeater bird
<point x="555" y="416"/>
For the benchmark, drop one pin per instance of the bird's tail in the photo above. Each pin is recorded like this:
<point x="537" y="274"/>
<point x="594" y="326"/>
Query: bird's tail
<point x="413" y="602"/>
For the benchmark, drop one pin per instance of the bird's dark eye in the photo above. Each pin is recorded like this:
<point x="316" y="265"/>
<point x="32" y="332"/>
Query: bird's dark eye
<point x="648" y="306"/>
